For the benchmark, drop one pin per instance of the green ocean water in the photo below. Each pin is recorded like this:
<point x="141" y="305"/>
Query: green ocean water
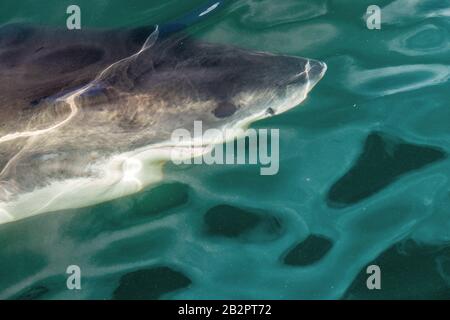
<point x="364" y="172"/>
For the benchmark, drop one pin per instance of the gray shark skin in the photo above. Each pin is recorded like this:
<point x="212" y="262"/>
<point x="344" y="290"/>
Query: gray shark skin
<point x="72" y="100"/>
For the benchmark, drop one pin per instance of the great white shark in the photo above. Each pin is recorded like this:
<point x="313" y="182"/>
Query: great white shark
<point x="86" y="116"/>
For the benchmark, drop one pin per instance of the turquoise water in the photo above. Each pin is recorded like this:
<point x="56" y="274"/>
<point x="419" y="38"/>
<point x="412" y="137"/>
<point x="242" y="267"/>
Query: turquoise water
<point x="363" y="174"/>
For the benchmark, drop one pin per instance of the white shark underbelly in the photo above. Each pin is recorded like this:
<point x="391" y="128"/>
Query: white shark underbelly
<point x="118" y="176"/>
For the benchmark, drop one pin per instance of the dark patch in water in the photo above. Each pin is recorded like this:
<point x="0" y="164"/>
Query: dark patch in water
<point x="32" y="293"/>
<point x="309" y="251"/>
<point x="150" y="284"/>
<point x="408" y="271"/>
<point x="383" y="160"/>
<point x="232" y="222"/>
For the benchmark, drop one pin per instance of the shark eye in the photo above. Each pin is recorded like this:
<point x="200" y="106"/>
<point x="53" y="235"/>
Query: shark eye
<point x="270" y="111"/>
<point x="224" y="109"/>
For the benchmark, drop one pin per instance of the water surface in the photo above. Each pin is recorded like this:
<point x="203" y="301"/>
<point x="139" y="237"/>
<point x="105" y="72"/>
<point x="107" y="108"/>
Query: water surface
<point x="364" y="172"/>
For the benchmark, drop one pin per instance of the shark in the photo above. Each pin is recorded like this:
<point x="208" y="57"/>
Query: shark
<point x="86" y="116"/>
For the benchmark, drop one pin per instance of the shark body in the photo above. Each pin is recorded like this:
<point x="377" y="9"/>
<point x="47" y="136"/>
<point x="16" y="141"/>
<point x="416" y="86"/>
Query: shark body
<point x="87" y="116"/>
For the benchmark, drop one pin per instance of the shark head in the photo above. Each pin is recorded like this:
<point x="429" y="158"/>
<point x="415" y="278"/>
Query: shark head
<point x="172" y="82"/>
<point x="236" y="85"/>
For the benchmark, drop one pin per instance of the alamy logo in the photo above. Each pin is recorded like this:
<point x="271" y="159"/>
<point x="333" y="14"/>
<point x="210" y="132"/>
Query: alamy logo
<point x="74" y="280"/>
<point x="208" y="147"/>
<point x="373" y="19"/>
<point x="74" y="20"/>
<point x="374" y="280"/>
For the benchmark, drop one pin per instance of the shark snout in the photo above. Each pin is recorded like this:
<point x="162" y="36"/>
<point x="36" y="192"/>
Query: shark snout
<point x="316" y="70"/>
<point x="310" y="74"/>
